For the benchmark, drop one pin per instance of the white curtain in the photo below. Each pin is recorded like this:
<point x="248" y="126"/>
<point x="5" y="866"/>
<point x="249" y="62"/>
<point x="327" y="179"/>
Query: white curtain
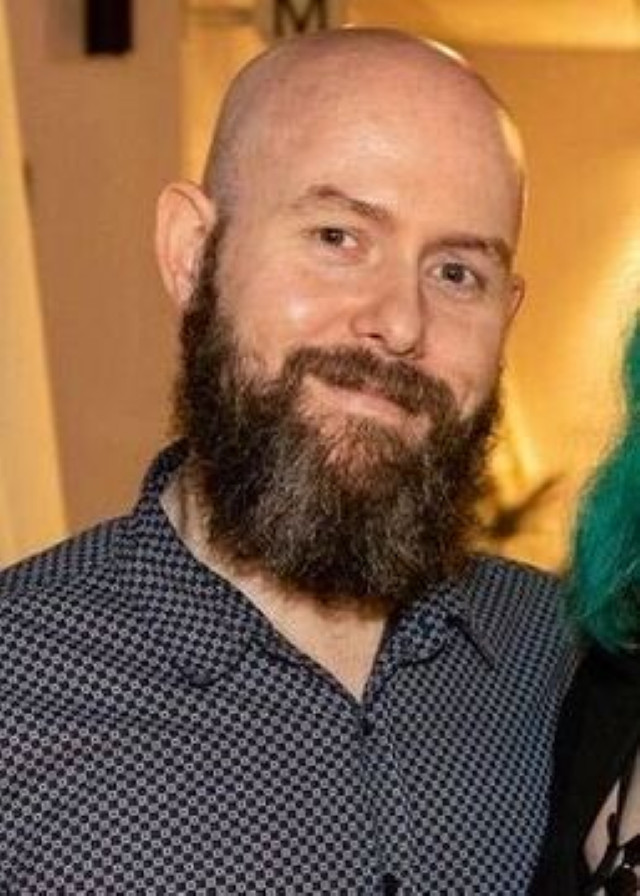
<point x="31" y="503"/>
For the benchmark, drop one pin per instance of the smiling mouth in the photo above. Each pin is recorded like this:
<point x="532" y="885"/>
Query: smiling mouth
<point x="358" y="400"/>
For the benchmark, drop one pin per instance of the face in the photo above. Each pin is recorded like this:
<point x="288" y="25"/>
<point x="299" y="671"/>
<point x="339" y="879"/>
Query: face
<point x="381" y="222"/>
<point x="343" y="344"/>
<point x="361" y="515"/>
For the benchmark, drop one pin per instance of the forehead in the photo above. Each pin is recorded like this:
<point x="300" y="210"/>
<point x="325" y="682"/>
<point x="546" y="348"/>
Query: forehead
<point x="410" y="148"/>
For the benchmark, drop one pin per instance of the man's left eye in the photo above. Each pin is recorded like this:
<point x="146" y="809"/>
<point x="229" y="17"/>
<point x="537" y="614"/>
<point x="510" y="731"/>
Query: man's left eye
<point x="457" y="274"/>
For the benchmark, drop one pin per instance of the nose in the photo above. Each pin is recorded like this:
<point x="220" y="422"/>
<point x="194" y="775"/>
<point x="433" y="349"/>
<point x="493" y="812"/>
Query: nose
<point x="391" y="314"/>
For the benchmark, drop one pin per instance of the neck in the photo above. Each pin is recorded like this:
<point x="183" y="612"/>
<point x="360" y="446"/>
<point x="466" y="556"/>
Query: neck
<point x="343" y="636"/>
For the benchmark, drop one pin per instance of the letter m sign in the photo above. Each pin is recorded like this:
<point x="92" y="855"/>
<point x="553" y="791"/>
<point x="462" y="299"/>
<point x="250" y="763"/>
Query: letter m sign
<point x="285" y="18"/>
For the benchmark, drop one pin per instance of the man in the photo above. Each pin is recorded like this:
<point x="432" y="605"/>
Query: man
<point x="285" y="672"/>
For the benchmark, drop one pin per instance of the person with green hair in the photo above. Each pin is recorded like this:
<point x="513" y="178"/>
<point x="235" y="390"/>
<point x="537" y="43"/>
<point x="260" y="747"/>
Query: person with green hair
<point x="593" y="838"/>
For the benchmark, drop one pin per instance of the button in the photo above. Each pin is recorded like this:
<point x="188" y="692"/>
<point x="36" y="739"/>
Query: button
<point x="366" y="726"/>
<point x="200" y="678"/>
<point x="390" y="884"/>
<point x="197" y="678"/>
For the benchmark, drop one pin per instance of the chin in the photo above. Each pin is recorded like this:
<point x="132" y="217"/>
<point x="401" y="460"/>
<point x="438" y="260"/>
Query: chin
<point x="361" y="452"/>
<point x="365" y="435"/>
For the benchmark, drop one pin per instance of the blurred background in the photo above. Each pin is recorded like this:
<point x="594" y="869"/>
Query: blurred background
<point x="93" y="125"/>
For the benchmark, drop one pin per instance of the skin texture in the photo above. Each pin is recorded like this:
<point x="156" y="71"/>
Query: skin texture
<point x="404" y="164"/>
<point x="370" y="192"/>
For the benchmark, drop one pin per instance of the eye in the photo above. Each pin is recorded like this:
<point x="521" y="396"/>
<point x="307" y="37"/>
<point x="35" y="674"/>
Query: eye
<point x="336" y="237"/>
<point x="457" y="274"/>
<point x="458" y="277"/>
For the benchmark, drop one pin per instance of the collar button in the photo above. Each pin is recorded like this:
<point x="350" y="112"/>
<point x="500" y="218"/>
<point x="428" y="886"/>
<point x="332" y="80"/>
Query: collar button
<point x="390" y="884"/>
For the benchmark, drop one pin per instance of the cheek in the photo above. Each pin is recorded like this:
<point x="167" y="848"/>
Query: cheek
<point x="468" y="357"/>
<point x="277" y="311"/>
<point x="299" y="309"/>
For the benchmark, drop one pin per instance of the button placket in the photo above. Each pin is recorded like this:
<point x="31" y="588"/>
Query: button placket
<point x="386" y="792"/>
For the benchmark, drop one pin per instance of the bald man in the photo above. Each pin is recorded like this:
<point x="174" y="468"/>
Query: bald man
<point x="286" y="672"/>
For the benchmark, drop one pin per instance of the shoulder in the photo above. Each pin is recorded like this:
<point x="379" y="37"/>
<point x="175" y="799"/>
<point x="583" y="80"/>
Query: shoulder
<point x="68" y="629"/>
<point x="72" y="561"/>
<point x="606" y="689"/>
<point x="515" y="588"/>
<point x="506" y="568"/>
<point x="519" y="610"/>
<point x="56" y="588"/>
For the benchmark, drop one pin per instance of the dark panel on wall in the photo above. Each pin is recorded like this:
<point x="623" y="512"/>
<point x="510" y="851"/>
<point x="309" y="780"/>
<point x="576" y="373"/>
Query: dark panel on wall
<point x="108" y="26"/>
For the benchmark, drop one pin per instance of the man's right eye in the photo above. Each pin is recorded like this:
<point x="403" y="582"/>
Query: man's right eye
<point x="336" y="237"/>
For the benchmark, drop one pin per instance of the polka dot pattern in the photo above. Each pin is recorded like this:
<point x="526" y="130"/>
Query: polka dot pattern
<point x="158" y="736"/>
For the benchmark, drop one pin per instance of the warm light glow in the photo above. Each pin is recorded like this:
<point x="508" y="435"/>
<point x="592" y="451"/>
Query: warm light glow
<point x="31" y="508"/>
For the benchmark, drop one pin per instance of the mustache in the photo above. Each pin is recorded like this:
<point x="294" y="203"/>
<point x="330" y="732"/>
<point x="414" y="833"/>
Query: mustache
<point x="359" y="368"/>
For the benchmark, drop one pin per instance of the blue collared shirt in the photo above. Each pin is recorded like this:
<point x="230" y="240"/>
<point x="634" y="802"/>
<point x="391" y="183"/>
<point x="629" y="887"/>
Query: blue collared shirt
<point x="159" y="736"/>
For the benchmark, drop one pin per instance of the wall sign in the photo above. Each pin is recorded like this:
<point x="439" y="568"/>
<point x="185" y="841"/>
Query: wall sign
<point x="277" y="19"/>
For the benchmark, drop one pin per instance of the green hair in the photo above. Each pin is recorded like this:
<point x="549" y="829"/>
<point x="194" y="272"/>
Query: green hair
<point x="604" y="579"/>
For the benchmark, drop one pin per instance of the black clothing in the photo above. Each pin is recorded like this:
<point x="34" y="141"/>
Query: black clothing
<point x="598" y="736"/>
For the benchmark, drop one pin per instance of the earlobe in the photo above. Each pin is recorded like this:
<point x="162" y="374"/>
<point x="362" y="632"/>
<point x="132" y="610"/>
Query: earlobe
<point x="185" y="217"/>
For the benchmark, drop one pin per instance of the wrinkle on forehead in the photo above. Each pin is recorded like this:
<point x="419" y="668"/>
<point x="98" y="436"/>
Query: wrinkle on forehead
<point x="280" y="91"/>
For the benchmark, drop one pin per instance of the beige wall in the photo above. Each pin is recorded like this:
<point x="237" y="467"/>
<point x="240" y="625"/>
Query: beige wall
<point x="31" y="502"/>
<point x="580" y="117"/>
<point x="101" y="136"/>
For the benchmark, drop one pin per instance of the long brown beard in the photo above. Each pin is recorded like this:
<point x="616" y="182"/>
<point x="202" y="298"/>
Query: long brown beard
<point x="360" y="513"/>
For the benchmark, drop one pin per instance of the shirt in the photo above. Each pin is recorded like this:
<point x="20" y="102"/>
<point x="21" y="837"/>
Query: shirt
<point x="159" y="736"/>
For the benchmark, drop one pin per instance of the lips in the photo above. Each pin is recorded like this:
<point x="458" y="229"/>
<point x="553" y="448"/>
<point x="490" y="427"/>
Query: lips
<point x="361" y="371"/>
<point x="366" y="400"/>
<point x="378" y="393"/>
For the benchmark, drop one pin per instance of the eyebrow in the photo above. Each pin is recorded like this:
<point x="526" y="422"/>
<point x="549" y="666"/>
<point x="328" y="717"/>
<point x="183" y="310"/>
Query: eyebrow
<point x="334" y="197"/>
<point x="325" y="194"/>
<point x="495" y="247"/>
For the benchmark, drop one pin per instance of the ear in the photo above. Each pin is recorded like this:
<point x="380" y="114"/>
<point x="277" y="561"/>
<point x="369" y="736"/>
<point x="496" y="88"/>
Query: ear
<point x="185" y="217"/>
<point x="517" y="292"/>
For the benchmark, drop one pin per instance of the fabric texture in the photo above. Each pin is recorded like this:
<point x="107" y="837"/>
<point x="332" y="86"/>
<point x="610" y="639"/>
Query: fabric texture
<point x="158" y="736"/>
<point x="599" y="730"/>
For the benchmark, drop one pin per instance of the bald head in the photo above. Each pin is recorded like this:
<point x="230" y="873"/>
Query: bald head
<point x="280" y="94"/>
<point x="369" y="189"/>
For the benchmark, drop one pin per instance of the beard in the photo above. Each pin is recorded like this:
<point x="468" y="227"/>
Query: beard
<point x="351" y="511"/>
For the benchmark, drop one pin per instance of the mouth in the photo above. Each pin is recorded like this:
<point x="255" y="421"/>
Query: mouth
<point x="362" y="401"/>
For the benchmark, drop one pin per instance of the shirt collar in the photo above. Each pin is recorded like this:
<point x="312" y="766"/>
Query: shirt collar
<point x="450" y="606"/>
<point x="200" y="623"/>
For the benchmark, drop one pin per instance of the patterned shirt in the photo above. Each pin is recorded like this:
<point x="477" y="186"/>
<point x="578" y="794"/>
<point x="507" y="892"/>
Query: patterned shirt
<point x="159" y="736"/>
